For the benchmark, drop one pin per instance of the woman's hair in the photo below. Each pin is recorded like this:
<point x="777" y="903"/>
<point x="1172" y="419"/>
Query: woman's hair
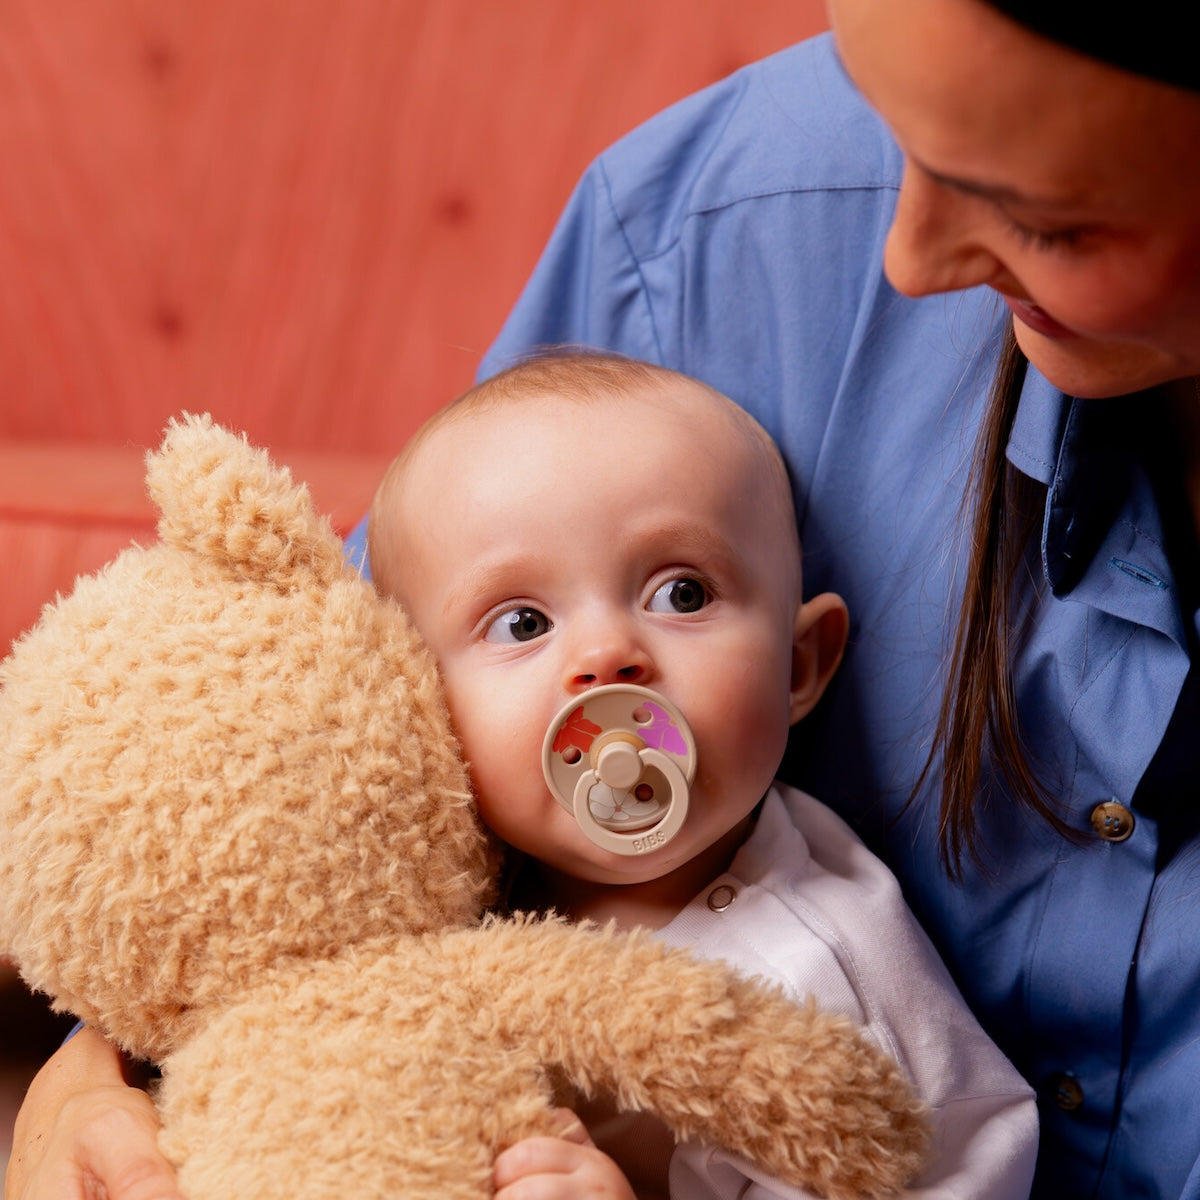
<point x="1157" y="41"/>
<point x="977" y="739"/>
<point x="977" y="728"/>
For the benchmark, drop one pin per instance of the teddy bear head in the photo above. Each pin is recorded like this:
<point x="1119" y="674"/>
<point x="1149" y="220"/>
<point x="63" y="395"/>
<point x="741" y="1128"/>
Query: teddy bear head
<point x="222" y="755"/>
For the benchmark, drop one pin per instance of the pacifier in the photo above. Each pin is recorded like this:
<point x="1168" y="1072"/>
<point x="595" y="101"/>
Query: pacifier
<point x="621" y="758"/>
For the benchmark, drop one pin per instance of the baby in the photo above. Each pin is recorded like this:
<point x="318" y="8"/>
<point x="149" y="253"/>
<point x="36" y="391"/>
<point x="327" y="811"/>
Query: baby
<point x="582" y="522"/>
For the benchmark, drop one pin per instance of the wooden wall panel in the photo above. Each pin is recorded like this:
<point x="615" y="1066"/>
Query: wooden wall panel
<point x="306" y="216"/>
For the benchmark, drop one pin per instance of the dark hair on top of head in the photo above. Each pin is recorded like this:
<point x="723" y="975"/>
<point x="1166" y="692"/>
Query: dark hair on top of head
<point x="1156" y="41"/>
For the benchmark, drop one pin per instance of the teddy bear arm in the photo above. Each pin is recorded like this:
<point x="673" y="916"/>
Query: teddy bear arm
<point x="721" y="1059"/>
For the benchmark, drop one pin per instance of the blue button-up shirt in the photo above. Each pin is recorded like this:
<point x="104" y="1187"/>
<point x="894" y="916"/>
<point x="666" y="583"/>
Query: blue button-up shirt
<point x="738" y="237"/>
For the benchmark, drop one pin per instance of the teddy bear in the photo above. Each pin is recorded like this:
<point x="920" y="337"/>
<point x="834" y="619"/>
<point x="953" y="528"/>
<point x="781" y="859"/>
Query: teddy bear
<point x="237" y="837"/>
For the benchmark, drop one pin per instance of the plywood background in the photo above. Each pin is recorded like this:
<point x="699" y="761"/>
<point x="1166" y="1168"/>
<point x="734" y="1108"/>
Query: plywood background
<point x="307" y="217"/>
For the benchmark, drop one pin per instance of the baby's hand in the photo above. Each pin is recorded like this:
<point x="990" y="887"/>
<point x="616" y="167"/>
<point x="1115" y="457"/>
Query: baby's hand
<point x="564" y="1167"/>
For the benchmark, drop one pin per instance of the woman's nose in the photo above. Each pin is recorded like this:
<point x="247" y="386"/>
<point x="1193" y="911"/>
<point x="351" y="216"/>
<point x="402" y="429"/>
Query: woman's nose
<point x="607" y="656"/>
<point x="933" y="245"/>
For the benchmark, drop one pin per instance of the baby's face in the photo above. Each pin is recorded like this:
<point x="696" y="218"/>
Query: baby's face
<point x="551" y="546"/>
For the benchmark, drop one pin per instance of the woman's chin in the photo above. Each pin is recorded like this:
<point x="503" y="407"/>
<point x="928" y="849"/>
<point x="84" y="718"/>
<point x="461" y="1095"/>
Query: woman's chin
<point x="1092" y="369"/>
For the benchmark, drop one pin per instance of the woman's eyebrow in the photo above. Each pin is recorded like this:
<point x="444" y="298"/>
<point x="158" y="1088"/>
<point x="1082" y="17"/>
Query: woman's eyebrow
<point x="997" y="193"/>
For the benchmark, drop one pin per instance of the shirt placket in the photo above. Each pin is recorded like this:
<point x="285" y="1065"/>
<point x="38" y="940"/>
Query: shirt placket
<point x="1121" y="657"/>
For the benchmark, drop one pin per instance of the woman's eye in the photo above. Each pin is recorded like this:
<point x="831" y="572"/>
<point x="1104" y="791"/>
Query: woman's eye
<point x="1044" y="239"/>
<point x="518" y="625"/>
<point x="680" y="596"/>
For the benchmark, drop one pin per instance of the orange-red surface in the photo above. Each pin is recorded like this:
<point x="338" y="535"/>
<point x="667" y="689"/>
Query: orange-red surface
<point x="307" y="217"/>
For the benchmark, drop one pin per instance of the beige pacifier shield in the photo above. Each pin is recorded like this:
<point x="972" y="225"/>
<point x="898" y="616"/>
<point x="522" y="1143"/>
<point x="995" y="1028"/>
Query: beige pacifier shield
<point x="621" y="759"/>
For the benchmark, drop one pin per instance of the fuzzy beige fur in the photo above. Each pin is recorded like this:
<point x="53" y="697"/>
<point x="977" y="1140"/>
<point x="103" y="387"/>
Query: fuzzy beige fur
<point x="236" y="836"/>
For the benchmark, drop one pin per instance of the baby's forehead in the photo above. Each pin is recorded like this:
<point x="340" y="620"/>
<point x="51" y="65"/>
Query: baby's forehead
<point x="630" y="431"/>
<point x="684" y="404"/>
<point x="678" y="460"/>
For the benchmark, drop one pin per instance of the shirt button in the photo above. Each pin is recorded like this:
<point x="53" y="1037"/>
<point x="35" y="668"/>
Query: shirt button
<point x="1112" y="821"/>
<point x="1065" y="1091"/>
<point x="721" y="897"/>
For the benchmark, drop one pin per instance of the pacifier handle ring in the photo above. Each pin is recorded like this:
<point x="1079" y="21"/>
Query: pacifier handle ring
<point x="643" y="840"/>
<point x="613" y="735"/>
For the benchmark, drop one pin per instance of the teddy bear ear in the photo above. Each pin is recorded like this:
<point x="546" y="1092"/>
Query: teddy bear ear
<point x="225" y="500"/>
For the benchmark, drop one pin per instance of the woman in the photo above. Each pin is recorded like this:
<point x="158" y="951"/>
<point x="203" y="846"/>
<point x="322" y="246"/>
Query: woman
<point x="1013" y="526"/>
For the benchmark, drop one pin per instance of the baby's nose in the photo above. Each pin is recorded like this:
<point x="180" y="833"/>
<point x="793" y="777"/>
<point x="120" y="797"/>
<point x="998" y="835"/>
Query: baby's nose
<point x="610" y="659"/>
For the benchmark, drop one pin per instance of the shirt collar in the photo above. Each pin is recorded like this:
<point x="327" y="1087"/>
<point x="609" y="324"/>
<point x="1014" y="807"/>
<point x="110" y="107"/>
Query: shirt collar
<point x="1103" y="540"/>
<point x="1037" y="430"/>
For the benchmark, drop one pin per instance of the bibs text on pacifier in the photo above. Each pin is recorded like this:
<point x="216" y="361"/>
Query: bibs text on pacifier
<point x="621" y="758"/>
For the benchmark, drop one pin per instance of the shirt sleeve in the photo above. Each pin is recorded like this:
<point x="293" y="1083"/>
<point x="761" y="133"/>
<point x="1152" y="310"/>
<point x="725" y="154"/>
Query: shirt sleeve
<point x="586" y="290"/>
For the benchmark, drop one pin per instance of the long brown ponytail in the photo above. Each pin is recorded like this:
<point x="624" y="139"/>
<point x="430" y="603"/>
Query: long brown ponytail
<point x="977" y="720"/>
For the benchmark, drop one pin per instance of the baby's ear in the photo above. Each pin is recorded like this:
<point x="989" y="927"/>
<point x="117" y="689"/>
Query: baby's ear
<point x="818" y="640"/>
<point x="224" y="500"/>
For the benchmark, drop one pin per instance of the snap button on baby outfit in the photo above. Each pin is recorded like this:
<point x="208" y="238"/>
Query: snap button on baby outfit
<point x="1112" y="821"/>
<point x="721" y="897"/>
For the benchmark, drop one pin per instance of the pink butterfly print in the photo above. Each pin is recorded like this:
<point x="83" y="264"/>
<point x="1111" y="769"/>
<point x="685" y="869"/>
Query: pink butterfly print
<point x="661" y="733"/>
<point x="575" y="731"/>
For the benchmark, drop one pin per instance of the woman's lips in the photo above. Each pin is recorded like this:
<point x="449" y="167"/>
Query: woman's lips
<point x="1035" y="318"/>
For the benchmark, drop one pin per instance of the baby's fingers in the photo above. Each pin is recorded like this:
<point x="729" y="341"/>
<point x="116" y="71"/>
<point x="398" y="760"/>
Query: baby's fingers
<point x="537" y="1156"/>
<point x="566" y="1124"/>
<point x="559" y="1168"/>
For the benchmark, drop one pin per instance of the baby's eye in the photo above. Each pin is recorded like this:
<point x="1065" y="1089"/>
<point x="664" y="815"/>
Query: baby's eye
<point x="683" y="595"/>
<point x="518" y="625"/>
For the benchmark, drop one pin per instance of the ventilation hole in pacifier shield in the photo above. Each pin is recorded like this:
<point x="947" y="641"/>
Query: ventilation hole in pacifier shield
<point x="644" y="792"/>
<point x="642" y="715"/>
<point x="571" y="755"/>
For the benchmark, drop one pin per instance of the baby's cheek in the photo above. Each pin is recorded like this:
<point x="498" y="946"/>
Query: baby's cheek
<point x="504" y="760"/>
<point x="741" y="746"/>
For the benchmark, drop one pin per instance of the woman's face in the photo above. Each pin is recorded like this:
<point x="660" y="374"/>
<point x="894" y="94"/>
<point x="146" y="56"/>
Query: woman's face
<point x="1071" y="187"/>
